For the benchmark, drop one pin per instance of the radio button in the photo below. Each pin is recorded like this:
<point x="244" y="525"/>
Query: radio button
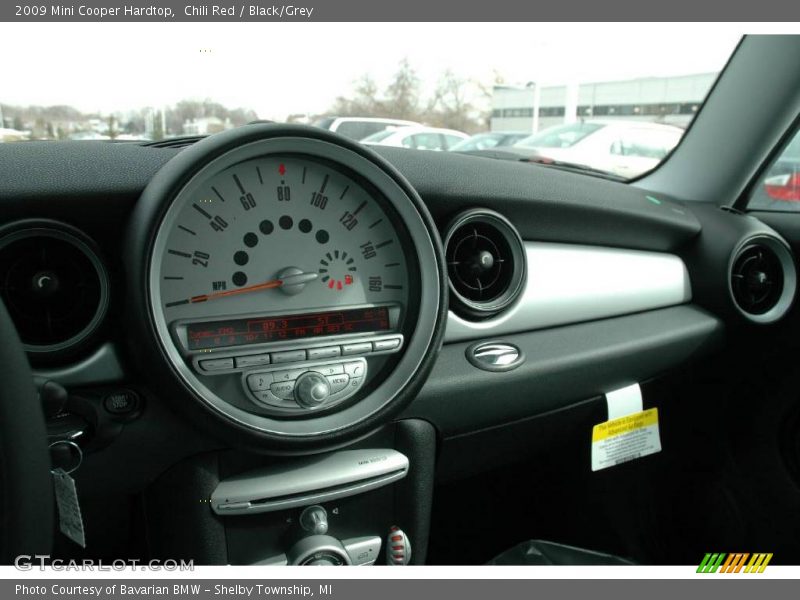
<point x="361" y="348"/>
<point x="288" y="374"/>
<point x="355" y="369"/>
<point x="338" y="382"/>
<point x="259" y="381"/>
<point x="330" y="369"/>
<point x="383" y="345"/>
<point x="288" y="356"/>
<point x="354" y="384"/>
<point x="252" y="360"/>
<point x="328" y="352"/>
<point x="267" y="397"/>
<point x="216" y="364"/>
<point x="283" y="390"/>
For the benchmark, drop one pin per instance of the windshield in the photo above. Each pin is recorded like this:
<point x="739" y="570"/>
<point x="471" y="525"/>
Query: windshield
<point x="563" y="136"/>
<point x="193" y="79"/>
<point x="378" y="137"/>
<point x="482" y="141"/>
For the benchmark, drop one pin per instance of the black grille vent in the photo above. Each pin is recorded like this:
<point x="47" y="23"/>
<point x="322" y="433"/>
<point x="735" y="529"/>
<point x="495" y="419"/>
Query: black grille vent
<point x="757" y="279"/>
<point x="480" y="262"/>
<point x="486" y="262"/>
<point x="177" y="142"/>
<point x="53" y="285"/>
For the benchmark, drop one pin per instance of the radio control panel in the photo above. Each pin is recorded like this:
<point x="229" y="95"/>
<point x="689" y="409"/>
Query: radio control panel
<point x="306" y="387"/>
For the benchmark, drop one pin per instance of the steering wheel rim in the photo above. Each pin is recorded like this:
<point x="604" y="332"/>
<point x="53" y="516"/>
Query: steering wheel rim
<point x="26" y="491"/>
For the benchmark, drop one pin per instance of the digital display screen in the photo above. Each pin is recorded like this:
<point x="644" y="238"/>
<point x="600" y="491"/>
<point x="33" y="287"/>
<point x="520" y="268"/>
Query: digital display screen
<point x="243" y="332"/>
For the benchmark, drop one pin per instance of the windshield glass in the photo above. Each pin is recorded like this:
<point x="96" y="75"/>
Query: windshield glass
<point x="193" y="79"/>
<point x="378" y="137"/>
<point x="560" y="136"/>
<point x="482" y="141"/>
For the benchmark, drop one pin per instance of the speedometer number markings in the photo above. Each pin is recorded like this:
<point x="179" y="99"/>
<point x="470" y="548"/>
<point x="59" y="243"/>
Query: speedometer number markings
<point x="247" y="200"/>
<point x="368" y="250"/>
<point x="319" y="199"/>
<point x="200" y="259"/>
<point x="216" y="222"/>
<point x="274" y="248"/>
<point x="283" y="192"/>
<point x="349" y="220"/>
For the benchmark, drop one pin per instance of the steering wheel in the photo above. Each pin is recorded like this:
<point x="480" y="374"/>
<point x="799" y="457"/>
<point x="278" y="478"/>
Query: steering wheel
<point x="26" y="492"/>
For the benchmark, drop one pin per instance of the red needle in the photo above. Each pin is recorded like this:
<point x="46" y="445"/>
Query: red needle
<point x="275" y="283"/>
<point x="288" y="280"/>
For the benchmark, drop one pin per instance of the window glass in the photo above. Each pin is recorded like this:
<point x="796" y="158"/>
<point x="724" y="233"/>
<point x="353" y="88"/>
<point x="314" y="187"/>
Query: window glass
<point x="427" y="141"/>
<point x="451" y="140"/>
<point x="358" y="130"/>
<point x="525" y="78"/>
<point x="645" y="144"/>
<point x="563" y="136"/>
<point x="378" y="137"/>
<point x="779" y="187"/>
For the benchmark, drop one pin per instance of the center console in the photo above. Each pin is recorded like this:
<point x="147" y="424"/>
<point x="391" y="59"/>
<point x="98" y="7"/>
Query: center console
<point x="368" y="503"/>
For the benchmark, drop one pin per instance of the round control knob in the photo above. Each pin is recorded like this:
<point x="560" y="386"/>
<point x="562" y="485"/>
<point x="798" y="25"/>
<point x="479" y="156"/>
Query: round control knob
<point x="311" y="389"/>
<point x="315" y="520"/>
<point x="318" y="550"/>
<point x="325" y="561"/>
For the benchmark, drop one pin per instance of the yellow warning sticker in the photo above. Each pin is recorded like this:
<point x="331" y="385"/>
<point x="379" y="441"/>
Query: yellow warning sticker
<point x="624" y="439"/>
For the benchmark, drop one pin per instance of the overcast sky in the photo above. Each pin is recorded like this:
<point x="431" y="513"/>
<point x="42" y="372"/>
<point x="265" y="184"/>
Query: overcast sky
<point x="283" y="68"/>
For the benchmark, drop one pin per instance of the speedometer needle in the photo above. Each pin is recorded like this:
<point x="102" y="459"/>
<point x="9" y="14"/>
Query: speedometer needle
<point x="297" y="279"/>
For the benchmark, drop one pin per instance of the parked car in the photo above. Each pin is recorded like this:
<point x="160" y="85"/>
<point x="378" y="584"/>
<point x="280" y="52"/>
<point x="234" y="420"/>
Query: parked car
<point x="419" y="138"/>
<point x="623" y="148"/>
<point x="780" y="187"/>
<point x="490" y="139"/>
<point x="358" y="128"/>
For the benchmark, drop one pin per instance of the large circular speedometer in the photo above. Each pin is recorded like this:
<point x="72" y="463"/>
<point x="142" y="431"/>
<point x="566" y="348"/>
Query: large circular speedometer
<point x="292" y="284"/>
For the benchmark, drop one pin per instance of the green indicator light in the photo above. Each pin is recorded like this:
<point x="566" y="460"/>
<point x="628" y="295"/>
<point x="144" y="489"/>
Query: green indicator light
<point x="653" y="199"/>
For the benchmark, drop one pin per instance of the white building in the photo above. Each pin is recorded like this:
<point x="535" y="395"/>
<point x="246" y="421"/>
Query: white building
<point x="673" y="100"/>
<point x="206" y="126"/>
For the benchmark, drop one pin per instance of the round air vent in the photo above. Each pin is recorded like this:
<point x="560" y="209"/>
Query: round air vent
<point x="763" y="279"/>
<point x="53" y="284"/>
<point x="485" y="262"/>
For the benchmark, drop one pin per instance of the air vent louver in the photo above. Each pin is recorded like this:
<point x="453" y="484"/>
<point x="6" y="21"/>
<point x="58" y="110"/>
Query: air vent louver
<point x="486" y="263"/>
<point x="53" y="284"/>
<point x="757" y="279"/>
<point x="763" y="279"/>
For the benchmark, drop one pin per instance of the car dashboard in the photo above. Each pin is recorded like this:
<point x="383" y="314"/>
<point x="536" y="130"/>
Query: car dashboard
<point x="237" y="309"/>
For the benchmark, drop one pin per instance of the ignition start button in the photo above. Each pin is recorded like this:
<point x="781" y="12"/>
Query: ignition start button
<point x="121" y="402"/>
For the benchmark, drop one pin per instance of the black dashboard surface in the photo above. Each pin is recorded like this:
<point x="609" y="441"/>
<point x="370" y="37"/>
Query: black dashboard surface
<point x="95" y="184"/>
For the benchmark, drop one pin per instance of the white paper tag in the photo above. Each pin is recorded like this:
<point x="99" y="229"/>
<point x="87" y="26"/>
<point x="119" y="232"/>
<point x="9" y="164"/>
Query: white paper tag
<point x="70" y="521"/>
<point x="624" y="401"/>
<point x="624" y="439"/>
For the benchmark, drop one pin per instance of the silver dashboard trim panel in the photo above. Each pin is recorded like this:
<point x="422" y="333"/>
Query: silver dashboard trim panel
<point x="308" y="481"/>
<point x="570" y="283"/>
